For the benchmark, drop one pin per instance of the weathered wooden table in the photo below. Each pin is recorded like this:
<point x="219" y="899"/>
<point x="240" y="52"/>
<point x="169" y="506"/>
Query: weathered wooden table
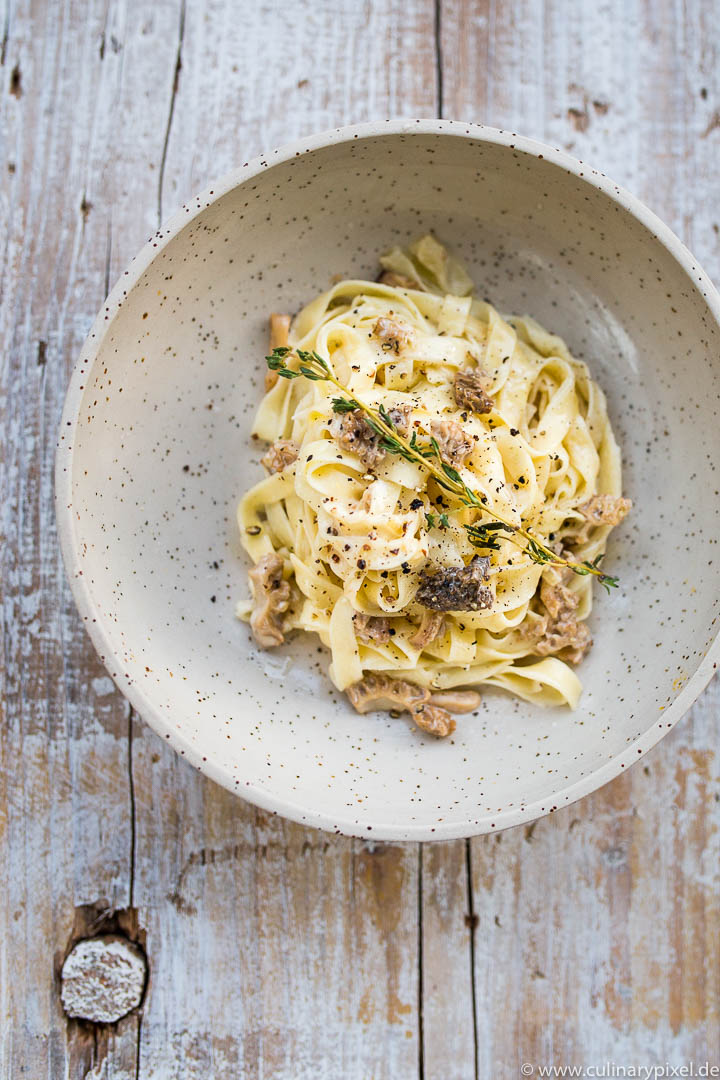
<point x="590" y="937"/>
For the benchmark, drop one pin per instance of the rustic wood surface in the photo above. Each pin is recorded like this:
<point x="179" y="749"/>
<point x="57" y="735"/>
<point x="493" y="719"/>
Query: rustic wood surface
<point x="592" y="936"/>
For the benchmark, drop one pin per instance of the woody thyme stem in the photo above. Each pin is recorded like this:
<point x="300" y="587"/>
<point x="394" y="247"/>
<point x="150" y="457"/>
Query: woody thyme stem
<point x="313" y="367"/>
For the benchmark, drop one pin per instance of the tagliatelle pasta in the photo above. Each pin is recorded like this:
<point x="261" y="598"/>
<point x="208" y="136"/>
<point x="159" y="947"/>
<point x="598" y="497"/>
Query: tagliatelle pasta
<point x="369" y="550"/>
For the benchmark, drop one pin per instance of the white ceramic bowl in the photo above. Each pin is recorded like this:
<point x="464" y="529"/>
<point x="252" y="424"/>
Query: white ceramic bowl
<point x="154" y="452"/>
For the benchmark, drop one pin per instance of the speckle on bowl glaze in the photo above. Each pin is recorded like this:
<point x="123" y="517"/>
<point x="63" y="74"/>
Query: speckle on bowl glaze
<point x="154" y="452"/>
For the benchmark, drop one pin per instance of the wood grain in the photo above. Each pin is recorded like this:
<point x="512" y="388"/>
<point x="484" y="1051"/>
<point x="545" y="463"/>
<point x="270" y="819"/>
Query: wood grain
<point x="599" y="929"/>
<point x="277" y="951"/>
<point x="67" y="825"/>
<point x="315" y="938"/>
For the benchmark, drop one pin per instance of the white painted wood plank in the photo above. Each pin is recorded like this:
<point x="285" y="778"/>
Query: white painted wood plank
<point x="278" y="951"/>
<point x="313" y="939"/>
<point x="66" y="832"/>
<point x="599" y="928"/>
<point x="281" y="71"/>
<point x="448" y="931"/>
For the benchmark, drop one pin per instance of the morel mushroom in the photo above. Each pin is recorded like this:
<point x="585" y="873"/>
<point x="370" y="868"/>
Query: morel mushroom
<point x="431" y="626"/>
<point x="392" y="336"/>
<point x="558" y="631"/>
<point x="281" y="454"/>
<point x="385" y="693"/>
<point x="600" y="510"/>
<point x="371" y="628"/>
<point x="457" y="701"/>
<point x="434" y="720"/>
<point x="454" y="445"/>
<point x="470" y="393"/>
<point x="399" y="281"/>
<point x="353" y="433"/>
<point x="271" y="594"/>
<point x="456" y="588"/>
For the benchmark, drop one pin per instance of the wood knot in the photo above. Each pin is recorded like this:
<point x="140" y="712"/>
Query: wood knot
<point x="103" y="979"/>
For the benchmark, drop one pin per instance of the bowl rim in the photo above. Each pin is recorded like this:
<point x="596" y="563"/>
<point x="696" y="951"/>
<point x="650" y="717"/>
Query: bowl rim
<point x="82" y="593"/>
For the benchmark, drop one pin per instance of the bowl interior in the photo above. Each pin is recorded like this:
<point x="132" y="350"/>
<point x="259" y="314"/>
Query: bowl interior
<point x="162" y="453"/>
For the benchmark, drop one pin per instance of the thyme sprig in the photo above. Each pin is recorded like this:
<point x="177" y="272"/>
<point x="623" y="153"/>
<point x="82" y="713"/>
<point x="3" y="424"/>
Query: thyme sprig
<point x="486" y="535"/>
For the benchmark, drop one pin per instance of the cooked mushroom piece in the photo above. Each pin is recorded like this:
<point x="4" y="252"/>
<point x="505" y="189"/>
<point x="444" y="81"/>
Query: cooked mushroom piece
<point x="381" y="692"/>
<point x="279" y="329"/>
<point x="600" y="510"/>
<point x="456" y="588"/>
<point x="353" y="433"/>
<point x="433" y="719"/>
<point x="566" y="638"/>
<point x="456" y="701"/>
<point x="271" y="595"/>
<point x="431" y="627"/>
<point x="281" y="454"/>
<point x="399" y="281"/>
<point x="392" y="336"/>
<point x="606" y="509"/>
<point x="454" y="445"/>
<point x="400" y="416"/>
<point x="557" y="599"/>
<point x="558" y="631"/>
<point x="469" y="387"/>
<point x="371" y="628"/>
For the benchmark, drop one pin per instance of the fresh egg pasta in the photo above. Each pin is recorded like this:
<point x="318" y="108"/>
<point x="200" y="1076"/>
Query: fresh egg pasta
<point x="441" y="485"/>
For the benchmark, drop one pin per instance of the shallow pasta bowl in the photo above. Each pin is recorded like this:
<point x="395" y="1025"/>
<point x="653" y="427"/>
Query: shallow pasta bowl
<point x="154" y="452"/>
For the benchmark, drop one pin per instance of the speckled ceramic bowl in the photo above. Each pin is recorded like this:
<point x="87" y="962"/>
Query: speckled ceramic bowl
<point x="154" y="452"/>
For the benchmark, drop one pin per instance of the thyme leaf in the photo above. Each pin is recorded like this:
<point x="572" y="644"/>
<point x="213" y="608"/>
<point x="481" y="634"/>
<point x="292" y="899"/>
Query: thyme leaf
<point x="342" y="405"/>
